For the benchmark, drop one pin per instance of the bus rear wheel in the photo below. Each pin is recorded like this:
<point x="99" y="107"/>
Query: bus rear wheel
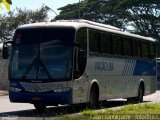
<point x="140" y="93"/>
<point x="139" y="98"/>
<point x="40" y="108"/>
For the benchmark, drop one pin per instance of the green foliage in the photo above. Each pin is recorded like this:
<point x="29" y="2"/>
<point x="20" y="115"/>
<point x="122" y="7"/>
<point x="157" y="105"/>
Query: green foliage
<point x="129" y="109"/>
<point x="6" y="3"/>
<point x="128" y="112"/>
<point x="9" y="1"/>
<point x="130" y="3"/>
<point x="143" y="15"/>
<point x="19" y="17"/>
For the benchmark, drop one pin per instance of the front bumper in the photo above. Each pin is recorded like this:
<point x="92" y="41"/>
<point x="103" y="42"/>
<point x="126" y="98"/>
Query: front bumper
<point x="43" y="98"/>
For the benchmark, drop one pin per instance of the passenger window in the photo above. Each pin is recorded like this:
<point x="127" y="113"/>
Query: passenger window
<point x="152" y="51"/>
<point x="106" y="43"/>
<point x="145" y="49"/>
<point x="117" y="44"/>
<point x="81" y="38"/>
<point x="135" y="48"/>
<point x="127" y="48"/>
<point x="139" y="48"/>
<point x="94" y="41"/>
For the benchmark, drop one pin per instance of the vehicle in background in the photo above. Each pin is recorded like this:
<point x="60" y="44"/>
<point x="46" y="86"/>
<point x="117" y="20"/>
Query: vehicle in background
<point x="158" y="73"/>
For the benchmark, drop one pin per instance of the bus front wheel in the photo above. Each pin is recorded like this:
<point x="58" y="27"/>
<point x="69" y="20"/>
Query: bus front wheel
<point x="93" y="98"/>
<point x="40" y="107"/>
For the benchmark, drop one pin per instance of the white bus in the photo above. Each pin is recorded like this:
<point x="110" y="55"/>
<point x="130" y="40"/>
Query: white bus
<point x="79" y="61"/>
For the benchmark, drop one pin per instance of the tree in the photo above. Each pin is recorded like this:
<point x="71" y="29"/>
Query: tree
<point x="143" y="15"/>
<point x="99" y="11"/>
<point x="6" y="3"/>
<point x="69" y="11"/>
<point x="19" y="17"/>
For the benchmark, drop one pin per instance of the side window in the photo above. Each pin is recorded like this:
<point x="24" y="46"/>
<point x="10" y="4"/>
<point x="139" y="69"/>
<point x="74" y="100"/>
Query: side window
<point x="81" y="53"/>
<point x="145" y="49"/>
<point x="139" y="48"/>
<point x="157" y="49"/>
<point x="81" y="38"/>
<point x="106" y="43"/>
<point x="152" y="50"/>
<point x="135" y="48"/>
<point x="117" y="44"/>
<point x="94" y="41"/>
<point x="127" y="48"/>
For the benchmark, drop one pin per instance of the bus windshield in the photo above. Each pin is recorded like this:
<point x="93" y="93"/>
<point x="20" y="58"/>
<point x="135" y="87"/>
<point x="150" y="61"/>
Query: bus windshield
<point x="42" y="54"/>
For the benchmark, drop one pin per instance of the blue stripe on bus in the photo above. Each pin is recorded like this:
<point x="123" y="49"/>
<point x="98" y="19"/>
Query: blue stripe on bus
<point x="147" y="68"/>
<point x="139" y="67"/>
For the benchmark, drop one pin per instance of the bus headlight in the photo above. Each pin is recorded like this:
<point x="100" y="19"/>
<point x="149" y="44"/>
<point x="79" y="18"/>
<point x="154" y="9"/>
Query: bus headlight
<point x="62" y="90"/>
<point x="14" y="89"/>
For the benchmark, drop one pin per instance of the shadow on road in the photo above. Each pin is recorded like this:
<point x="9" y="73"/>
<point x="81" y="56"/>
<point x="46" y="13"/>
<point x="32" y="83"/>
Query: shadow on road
<point x="62" y="110"/>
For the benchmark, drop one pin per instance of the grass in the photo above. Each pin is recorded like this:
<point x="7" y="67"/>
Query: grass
<point x="128" y="109"/>
<point x="144" y="111"/>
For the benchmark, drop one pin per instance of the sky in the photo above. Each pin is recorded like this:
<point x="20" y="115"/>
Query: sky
<point x="35" y="4"/>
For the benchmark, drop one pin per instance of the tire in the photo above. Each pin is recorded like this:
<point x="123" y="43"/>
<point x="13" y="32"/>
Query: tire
<point x="140" y="93"/>
<point x="104" y="104"/>
<point x="40" y="108"/>
<point x="139" y="98"/>
<point x="93" y="98"/>
<point x="130" y="100"/>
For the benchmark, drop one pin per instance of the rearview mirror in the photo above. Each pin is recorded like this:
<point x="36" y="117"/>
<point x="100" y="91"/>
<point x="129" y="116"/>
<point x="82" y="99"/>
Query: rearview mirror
<point x="6" y="49"/>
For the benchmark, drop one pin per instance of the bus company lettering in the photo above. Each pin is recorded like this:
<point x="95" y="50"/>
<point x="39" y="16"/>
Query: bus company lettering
<point x="104" y="66"/>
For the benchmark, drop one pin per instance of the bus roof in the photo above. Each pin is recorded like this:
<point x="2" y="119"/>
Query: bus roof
<point x="79" y="23"/>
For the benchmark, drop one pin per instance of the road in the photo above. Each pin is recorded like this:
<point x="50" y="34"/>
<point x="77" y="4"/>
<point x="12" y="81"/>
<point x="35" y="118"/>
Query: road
<point x="153" y="98"/>
<point x="20" y="111"/>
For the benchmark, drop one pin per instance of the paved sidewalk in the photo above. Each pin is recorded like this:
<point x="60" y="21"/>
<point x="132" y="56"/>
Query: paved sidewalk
<point x="3" y="92"/>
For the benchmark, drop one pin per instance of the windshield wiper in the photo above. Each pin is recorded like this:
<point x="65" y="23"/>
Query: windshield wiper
<point x="28" y="69"/>
<point x="45" y="69"/>
<point x="36" y="63"/>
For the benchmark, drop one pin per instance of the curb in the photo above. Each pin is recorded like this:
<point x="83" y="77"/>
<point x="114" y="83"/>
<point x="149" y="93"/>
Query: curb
<point x="3" y="93"/>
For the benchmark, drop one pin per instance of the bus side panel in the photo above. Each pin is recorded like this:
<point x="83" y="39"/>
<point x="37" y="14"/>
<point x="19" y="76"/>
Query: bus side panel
<point x="117" y="78"/>
<point x="80" y="89"/>
<point x="121" y="76"/>
<point x="145" y="70"/>
<point x="108" y="72"/>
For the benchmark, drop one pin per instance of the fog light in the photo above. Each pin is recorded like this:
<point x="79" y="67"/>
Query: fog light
<point x="14" y="89"/>
<point x="62" y="90"/>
